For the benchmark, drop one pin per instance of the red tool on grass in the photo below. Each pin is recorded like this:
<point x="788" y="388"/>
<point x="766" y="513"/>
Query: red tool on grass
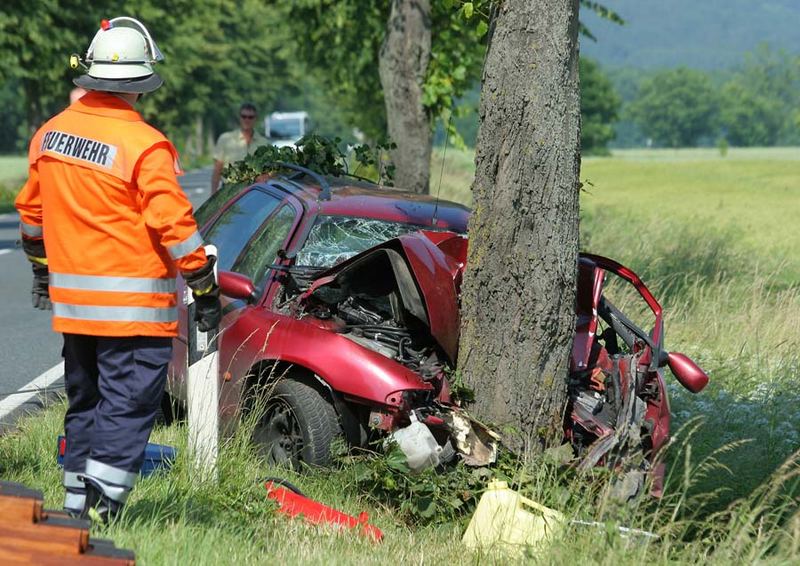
<point x="293" y="503"/>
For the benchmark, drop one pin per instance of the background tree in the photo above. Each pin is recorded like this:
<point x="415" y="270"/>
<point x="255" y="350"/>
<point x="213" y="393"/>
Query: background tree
<point x="676" y="107"/>
<point x="36" y="39"/>
<point x="341" y="41"/>
<point x="519" y="288"/>
<point x="760" y="98"/>
<point x="749" y="118"/>
<point x="217" y="55"/>
<point x="599" y="108"/>
<point x="218" y="52"/>
<point x="403" y="64"/>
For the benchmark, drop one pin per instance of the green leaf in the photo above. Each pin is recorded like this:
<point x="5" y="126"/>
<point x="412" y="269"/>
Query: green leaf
<point x="469" y="9"/>
<point x="426" y="507"/>
<point x="396" y="460"/>
<point x="482" y="28"/>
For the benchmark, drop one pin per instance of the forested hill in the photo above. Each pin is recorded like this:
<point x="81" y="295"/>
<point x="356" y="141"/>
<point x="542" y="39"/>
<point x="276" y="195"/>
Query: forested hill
<point x="703" y="34"/>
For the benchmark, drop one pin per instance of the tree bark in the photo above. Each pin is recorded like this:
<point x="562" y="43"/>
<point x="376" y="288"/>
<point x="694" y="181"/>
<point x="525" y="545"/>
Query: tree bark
<point x="403" y="64"/>
<point x="518" y="300"/>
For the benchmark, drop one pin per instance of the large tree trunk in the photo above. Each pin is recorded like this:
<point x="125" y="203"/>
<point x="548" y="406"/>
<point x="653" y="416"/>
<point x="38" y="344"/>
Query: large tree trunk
<point x="404" y="60"/>
<point x="519" y="287"/>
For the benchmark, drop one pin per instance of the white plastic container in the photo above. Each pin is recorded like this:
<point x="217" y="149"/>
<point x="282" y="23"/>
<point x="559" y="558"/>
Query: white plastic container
<point x="507" y="521"/>
<point x="418" y="444"/>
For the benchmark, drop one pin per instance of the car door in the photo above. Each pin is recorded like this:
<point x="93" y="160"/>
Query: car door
<point x="238" y="351"/>
<point x="230" y="233"/>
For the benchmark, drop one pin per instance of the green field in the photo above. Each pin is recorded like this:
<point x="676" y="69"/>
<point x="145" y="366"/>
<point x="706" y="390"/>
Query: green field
<point x="13" y="170"/>
<point x="753" y="194"/>
<point x="714" y="239"/>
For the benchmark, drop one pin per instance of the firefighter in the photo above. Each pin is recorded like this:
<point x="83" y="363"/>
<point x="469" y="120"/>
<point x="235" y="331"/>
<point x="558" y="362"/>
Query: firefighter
<point x="107" y="227"/>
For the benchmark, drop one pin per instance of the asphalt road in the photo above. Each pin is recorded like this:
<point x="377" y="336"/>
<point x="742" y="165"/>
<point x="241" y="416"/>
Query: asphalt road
<point x="28" y="346"/>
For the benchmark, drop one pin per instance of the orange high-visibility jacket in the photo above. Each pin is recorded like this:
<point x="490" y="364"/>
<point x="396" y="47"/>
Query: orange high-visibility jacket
<point x="102" y="192"/>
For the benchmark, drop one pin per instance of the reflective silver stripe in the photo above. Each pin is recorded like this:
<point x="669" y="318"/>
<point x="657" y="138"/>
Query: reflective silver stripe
<point x="115" y="492"/>
<point x="190" y="244"/>
<point x="109" y="474"/>
<point x="72" y="479"/>
<point x="74" y="502"/>
<point x="116" y="314"/>
<point x="30" y="230"/>
<point x="106" y="283"/>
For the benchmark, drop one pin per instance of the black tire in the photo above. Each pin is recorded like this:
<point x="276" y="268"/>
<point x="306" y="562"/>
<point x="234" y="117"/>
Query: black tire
<point x="298" y="425"/>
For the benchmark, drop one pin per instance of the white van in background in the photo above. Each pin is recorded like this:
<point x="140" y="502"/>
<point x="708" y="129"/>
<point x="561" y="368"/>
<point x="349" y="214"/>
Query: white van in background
<point x="285" y="128"/>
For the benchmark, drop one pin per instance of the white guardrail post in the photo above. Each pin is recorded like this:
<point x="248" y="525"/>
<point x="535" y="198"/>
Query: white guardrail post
<point x="202" y="392"/>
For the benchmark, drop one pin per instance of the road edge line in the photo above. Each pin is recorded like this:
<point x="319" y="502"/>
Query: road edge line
<point x="40" y="384"/>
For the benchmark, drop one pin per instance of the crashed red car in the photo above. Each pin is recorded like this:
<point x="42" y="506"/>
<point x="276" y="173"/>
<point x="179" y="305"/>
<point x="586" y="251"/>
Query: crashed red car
<point x="341" y="315"/>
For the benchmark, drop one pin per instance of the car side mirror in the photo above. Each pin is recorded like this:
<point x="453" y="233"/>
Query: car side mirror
<point x="687" y="372"/>
<point x="237" y="286"/>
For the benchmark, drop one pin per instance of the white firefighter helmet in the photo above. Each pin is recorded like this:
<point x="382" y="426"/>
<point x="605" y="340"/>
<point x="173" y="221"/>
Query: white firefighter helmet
<point x="121" y="58"/>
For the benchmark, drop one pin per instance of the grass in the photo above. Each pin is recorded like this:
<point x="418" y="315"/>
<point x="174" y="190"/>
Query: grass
<point x="715" y="240"/>
<point x="173" y="518"/>
<point x="753" y="199"/>
<point x="731" y="302"/>
<point x="13" y="170"/>
<point x="752" y="193"/>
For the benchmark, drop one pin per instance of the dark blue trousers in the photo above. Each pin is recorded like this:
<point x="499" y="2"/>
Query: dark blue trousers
<point x="114" y="387"/>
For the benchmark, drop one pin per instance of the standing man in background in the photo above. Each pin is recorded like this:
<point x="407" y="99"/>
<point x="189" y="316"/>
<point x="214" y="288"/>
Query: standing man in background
<point x="237" y="144"/>
<point x="106" y="227"/>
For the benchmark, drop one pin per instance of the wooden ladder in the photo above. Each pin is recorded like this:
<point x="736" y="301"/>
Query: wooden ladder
<point x="30" y="534"/>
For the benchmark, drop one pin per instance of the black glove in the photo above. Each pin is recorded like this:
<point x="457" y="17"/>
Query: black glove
<point x="40" y="294"/>
<point x="208" y="310"/>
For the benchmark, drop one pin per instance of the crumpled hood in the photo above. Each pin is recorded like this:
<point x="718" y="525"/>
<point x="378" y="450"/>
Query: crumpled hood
<point x="427" y="266"/>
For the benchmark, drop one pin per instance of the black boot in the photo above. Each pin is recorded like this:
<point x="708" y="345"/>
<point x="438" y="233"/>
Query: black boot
<point x="107" y="509"/>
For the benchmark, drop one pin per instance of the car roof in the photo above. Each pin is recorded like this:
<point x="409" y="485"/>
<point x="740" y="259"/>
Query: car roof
<point x="346" y="196"/>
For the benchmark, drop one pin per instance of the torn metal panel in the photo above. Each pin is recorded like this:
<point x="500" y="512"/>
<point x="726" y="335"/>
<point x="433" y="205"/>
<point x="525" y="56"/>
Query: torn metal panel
<point x="476" y="443"/>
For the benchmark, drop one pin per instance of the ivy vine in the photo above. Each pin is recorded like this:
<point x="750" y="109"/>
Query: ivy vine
<point x="320" y="154"/>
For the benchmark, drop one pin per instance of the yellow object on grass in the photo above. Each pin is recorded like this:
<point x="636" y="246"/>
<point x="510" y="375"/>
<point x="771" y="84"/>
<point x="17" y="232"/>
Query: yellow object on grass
<point x="507" y="521"/>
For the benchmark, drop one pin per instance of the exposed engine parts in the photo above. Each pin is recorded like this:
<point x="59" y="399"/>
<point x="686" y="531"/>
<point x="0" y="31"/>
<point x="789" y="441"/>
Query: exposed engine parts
<point x="377" y="313"/>
<point x="401" y="300"/>
<point x="369" y="329"/>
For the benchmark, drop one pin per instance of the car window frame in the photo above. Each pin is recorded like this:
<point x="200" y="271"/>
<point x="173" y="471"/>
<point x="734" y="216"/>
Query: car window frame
<point x="279" y="197"/>
<point x="211" y="220"/>
<point x="295" y="221"/>
<point x="286" y="198"/>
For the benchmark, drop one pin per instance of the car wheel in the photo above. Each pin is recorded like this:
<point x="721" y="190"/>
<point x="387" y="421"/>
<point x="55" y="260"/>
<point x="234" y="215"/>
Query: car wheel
<point x="298" y="425"/>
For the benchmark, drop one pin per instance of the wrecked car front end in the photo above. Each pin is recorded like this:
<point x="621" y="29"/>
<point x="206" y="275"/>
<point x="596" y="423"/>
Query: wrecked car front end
<point x="400" y="299"/>
<point x="618" y="413"/>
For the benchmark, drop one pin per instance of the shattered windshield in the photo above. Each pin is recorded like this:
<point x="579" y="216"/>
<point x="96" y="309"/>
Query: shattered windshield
<point x="334" y="239"/>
